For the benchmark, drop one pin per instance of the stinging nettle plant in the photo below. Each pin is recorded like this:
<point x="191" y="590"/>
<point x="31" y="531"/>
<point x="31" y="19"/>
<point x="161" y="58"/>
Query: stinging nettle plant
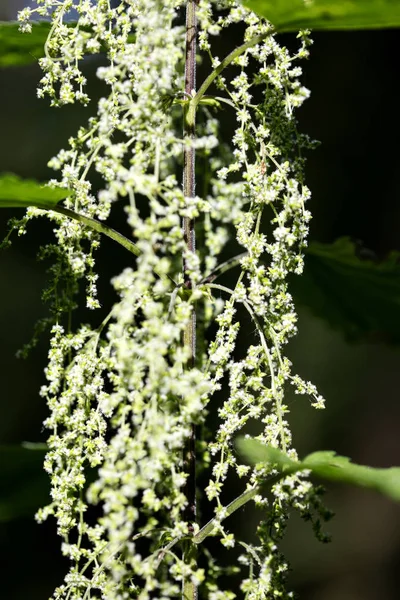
<point x="129" y="399"/>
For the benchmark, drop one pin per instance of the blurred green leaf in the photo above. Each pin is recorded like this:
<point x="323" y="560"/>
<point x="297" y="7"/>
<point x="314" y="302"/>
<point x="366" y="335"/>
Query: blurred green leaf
<point x="255" y="452"/>
<point x="18" y="48"/>
<point x="325" y="465"/>
<point x="21" y="193"/>
<point x="25" y="486"/>
<point x="35" y="446"/>
<point x="328" y="465"/>
<point x="358" y="296"/>
<point x="292" y="15"/>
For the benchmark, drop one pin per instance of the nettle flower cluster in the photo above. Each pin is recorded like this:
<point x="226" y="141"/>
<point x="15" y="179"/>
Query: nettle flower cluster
<point x="122" y="400"/>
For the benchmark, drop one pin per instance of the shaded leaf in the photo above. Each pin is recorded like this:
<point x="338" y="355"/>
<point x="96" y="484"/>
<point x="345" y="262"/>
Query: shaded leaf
<point x="325" y="465"/>
<point x="18" y="48"/>
<point x="360" y="297"/>
<point x="21" y="193"/>
<point x="25" y="486"/>
<point x="292" y="15"/>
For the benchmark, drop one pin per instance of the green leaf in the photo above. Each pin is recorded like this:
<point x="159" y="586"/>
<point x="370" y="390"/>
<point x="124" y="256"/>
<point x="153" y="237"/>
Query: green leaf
<point x="292" y="15"/>
<point x="25" y="486"/>
<point x="360" y="297"/>
<point x="256" y="452"/>
<point x="18" y="48"/>
<point x="325" y="465"/>
<point x="21" y="193"/>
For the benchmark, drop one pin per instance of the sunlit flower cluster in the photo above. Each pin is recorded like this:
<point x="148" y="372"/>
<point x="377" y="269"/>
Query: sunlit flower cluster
<point x="122" y="399"/>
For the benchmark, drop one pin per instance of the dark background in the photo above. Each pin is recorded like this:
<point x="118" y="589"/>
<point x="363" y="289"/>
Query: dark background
<point x="354" y="177"/>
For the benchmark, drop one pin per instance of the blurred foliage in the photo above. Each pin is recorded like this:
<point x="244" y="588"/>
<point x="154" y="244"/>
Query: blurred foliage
<point x="18" y="49"/>
<point x="325" y="465"/>
<point x="25" y="486"/>
<point x="292" y="15"/>
<point x="360" y="297"/>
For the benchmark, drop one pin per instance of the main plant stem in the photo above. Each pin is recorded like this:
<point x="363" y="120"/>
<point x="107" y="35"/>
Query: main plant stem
<point x="189" y="589"/>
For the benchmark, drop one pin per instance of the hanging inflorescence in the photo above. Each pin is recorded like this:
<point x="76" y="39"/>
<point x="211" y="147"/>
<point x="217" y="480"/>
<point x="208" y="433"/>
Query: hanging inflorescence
<point x="122" y="401"/>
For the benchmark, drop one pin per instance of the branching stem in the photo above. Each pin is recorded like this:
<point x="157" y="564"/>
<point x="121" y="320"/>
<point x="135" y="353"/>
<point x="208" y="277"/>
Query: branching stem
<point x="268" y="355"/>
<point x="229" y="264"/>
<point x="233" y="506"/>
<point x="104" y="229"/>
<point x="194" y="102"/>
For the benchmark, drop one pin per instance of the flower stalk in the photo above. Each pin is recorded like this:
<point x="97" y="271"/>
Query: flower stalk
<point x="125" y="397"/>
<point x="189" y="588"/>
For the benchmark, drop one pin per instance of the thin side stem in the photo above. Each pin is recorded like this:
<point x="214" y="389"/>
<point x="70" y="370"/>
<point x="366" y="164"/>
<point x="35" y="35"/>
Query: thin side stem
<point x="267" y="354"/>
<point x="99" y="227"/>
<point x="231" y="508"/>
<point x="229" y="264"/>
<point x="189" y="589"/>
<point x="194" y="102"/>
<point x="104" y="229"/>
<point x="237" y="503"/>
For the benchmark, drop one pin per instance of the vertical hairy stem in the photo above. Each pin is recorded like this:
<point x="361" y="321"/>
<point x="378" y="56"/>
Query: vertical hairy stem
<point x="189" y="591"/>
